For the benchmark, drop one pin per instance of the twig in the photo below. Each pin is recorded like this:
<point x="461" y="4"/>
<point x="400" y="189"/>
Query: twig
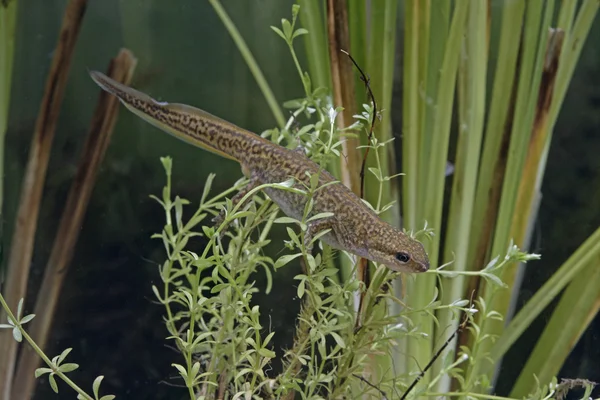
<point x="437" y="354"/>
<point x="33" y="182"/>
<point x="383" y="394"/>
<point x="121" y="69"/>
<point x="363" y="263"/>
<point x="366" y="80"/>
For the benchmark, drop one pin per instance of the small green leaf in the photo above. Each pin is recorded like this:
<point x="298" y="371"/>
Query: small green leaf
<point x="96" y="385"/>
<point x="293" y="104"/>
<point x="295" y="10"/>
<point x="285" y="184"/>
<point x="167" y="163"/>
<point x="376" y="172"/>
<point x="68" y="367"/>
<point x="63" y="355"/>
<point x="157" y="294"/>
<point x="285" y="220"/>
<point x="107" y="397"/>
<point x="41" y="371"/>
<point x="287" y="29"/>
<point x="314" y="182"/>
<point x="26" y="319"/>
<point x="283" y="260"/>
<point x="209" y="231"/>
<point x="181" y="370"/>
<point x="278" y="31"/>
<point x="320" y="216"/>
<point x="17" y="334"/>
<point x="195" y="369"/>
<point x="6" y="326"/>
<point x="494" y="279"/>
<point x="19" y="309"/>
<point x="268" y="338"/>
<point x="293" y="236"/>
<point x="299" y="32"/>
<point x="311" y="262"/>
<point x="158" y="200"/>
<point x="207" y="186"/>
<point x="166" y="197"/>
<point x="300" y="291"/>
<point x="53" y="384"/>
<point x="266" y="353"/>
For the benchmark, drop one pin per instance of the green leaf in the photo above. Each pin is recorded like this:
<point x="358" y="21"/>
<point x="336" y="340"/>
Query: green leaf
<point x="311" y="262"/>
<point x="278" y="31"/>
<point x="285" y="220"/>
<point x="41" y="371"/>
<point x="295" y="11"/>
<point x="266" y="353"/>
<point x="63" y="355"/>
<point x="287" y="29"/>
<point x="167" y="163"/>
<point x="293" y="104"/>
<point x="320" y="216"/>
<point x="17" y="334"/>
<point x="283" y="260"/>
<point x="338" y="339"/>
<point x="19" y="309"/>
<point x="26" y="319"/>
<point x="299" y="32"/>
<point x="181" y="370"/>
<point x="300" y="291"/>
<point x="207" y="186"/>
<point x="285" y="184"/>
<point x="157" y="294"/>
<point x="65" y="368"/>
<point x="96" y="385"/>
<point x="52" y="382"/>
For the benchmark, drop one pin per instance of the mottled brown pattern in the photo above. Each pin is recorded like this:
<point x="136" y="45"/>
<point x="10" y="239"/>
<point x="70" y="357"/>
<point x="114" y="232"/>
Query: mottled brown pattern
<point x="355" y="227"/>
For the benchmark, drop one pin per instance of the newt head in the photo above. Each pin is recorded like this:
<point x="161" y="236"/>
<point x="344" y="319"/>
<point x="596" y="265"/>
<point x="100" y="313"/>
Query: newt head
<point x="397" y="250"/>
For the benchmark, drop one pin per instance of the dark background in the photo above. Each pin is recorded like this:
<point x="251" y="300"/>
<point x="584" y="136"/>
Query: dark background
<point x="106" y="312"/>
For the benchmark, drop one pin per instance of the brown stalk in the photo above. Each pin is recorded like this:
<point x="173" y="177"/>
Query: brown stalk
<point x="527" y="188"/>
<point x="539" y="136"/>
<point x="21" y="250"/>
<point x="103" y="121"/>
<point x="343" y="93"/>
<point x="342" y="78"/>
<point x="343" y="88"/>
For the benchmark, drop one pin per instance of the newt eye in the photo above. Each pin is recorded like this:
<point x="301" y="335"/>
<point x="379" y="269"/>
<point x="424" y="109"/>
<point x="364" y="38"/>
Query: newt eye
<point x="402" y="257"/>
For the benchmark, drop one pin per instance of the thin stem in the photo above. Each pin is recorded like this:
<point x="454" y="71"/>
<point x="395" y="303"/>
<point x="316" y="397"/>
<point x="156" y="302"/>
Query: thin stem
<point x="465" y="394"/>
<point x="21" y="251"/>
<point x="250" y="61"/>
<point x="40" y="352"/>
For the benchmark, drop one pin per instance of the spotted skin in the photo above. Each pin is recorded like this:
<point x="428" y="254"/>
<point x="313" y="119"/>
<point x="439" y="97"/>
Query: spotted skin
<point x="354" y="226"/>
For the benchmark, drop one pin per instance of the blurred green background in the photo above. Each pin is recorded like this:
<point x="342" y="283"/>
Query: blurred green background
<point x="106" y="312"/>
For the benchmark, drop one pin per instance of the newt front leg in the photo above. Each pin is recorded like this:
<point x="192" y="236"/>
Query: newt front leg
<point x="313" y="228"/>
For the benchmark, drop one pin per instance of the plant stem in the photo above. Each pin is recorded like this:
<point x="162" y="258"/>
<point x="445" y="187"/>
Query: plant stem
<point x="40" y="352"/>
<point x="8" y="20"/>
<point x="469" y="142"/>
<point x="105" y="116"/>
<point x="35" y="174"/>
<point x="250" y="61"/>
<point x="316" y="43"/>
